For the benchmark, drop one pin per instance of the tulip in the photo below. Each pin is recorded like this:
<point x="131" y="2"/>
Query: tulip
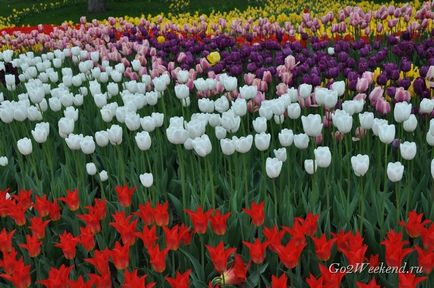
<point x="260" y="124"/>
<point x="330" y="99"/>
<point x="286" y="137"/>
<point x="386" y="133"/>
<point x="262" y="141"/>
<point x="360" y="164"/>
<point x="395" y="170"/>
<point x="91" y="168"/>
<point x="239" y="107"/>
<point x="206" y="105"/>
<point x="273" y="166"/>
<point x="312" y="124"/>
<point x="25" y="146"/>
<point x="429" y="139"/>
<point x="103" y="176"/>
<point x="115" y="134"/>
<point x="143" y="140"/>
<point x="265" y="110"/>
<point x="41" y="131"/>
<point x="176" y="135"/>
<point x="243" y="144"/>
<point x="221" y="104"/>
<point x="294" y="110"/>
<point x="147" y="179"/>
<point x="102" y="138"/>
<point x="323" y="156"/>
<point x="66" y="126"/>
<point x="147" y="123"/>
<point x="182" y="76"/>
<point x="132" y="121"/>
<point x="366" y="120"/>
<point x="304" y="90"/>
<point x="339" y="87"/>
<point x="220" y="132"/>
<point x="426" y="106"/>
<point x="342" y="121"/>
<point x="4" y="161"/>
<point x="432" y="168"/>
<point x="410" y="124"/>
<point x="402" y="111"/>
<point x="230" y="121"/>
<point x="73" y="141"/>
<point x="310" y="166"/>
<point x="227" y="146"/>
<point x="301" y="141"/>
<point x="230" y="83"/>
<point x="330" y="50"/>
<point x="202" y="145"/>
<point x="248" y="92"/>
<point x="408" y="150"/>
<point x="87" y="145"/>
<point x="182" y="91"/>
<point x="280" y="154"/>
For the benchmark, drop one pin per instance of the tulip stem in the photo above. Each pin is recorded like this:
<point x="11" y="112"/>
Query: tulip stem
<point x="275" y="199"/>
<point x="362" y="204"/>
<point x="398" y="204"/>
<point x="211" y="179"/>
<point x="385" y="168"/>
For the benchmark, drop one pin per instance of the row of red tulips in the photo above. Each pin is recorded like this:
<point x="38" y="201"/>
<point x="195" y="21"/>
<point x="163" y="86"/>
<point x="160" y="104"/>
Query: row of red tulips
<point x="27" y="235"/>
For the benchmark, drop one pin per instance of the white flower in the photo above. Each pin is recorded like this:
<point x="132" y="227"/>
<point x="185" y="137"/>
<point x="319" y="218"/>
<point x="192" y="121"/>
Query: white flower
<point x="273" y="166"/>
<point x="227" y="146"/>
<point x="100" y="99"/>
<point x="310" y="166"/>
<point x="91" y="168"/>
<point x="260" y="124"/>
<point x="182" y="76"/>
<point x="159" y="84"/>
<point x="386" y="133"/>
<point x="54" y="104"/>
<point x="366" y="120"/>
<point x="132" y="121"/>
<point x="112" y="89"/>
<point x="176" y="135"/>
<point x="147" y="179"/>
<point x="25" y="146"/>
<point x="280" y="154"/>
<point x="331" y="50"/>
<point x="230" y="83"/>
<point x="103" y="176"/>
<point x="71" y="112"/>
<point x="411" y="123"/>
<point x="429" y="139"/>
<point x="360" y="164"/>
<point x="323" y="156"/>
<point x="102" y="138"/>
<point x="158" y="118"/>
<point x="342" y="121"/>
<point x="432" y="168"/>
<point x="243" y="144"/>
<point x="402" y="111"/>
<point x="3" y="161"/>
<point x="221" y="104"/>
<point x="66" y="126"/>
<point x="377" y="124"/>
<point x="395" y="170"/>
<point x="182" y="91"/>
<point x="202" y="145"/>
<point x="115" y="134"/>
<point x="41" y="131"/>
<point x="301" y="141"/>
<point x="330" y="99"/>
<point x="147" y="123"/>
<point x="239" y="107"/>
<point x="143" y="140"/>
<point x="312" y="124"/>
<point x="262" y="141"/>
<point x="87" y="145"/>
<point x="266" y="110"/>
<point x="408" y="150"/>
<point x="248" y="92"/>
<point x="286" y="137"/>
<point x="206" y="105"/>
<point x="339" y="86"/>
<point x="305" y="90"/>
<point x="220" y="132"/>
<point x="230" y="121"/>
<point x="426" y="106"/>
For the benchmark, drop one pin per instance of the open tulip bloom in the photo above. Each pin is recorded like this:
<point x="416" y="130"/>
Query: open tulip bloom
<point x="246" y="148"/>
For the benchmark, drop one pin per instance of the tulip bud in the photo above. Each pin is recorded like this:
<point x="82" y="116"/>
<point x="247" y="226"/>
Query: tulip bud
<point x="310" y="166"/>
<point x="91" y="168"/>
<point x="410" y="124"/>
<point x="395" y="170"/>
<point x="342" y="121"/>
<point x="227" y="146"/>
<point x="402" y="111"/>
<point x="360" y="164"/>
<point x="4" y="161"/>
<point x="103" y="176"/>
<point x="273" y="166"/>
<point x="25" y="146"/>
<point x="305" y="90"/>
<point x="260" y="124"/>
<point x="147" y="179"/>
<point x="244" y="144"/>
<point x="262" y="141"/>
<point x="41" y="131"/>
<point x="408" y="150"/>
<point x="312" y="124"/>
<point x="87" y="145"/>
<point x="220" y="132"/>
<point x="286" y="137"/>
<point x="366" y="120"/>
<point x="115" y="134"/>
<point x="143" y="140"/>
<point x="280" y="154"/>
<point x="323" y="156"/>
<point x="301" y="141"/>
<point x="386" y="133"/>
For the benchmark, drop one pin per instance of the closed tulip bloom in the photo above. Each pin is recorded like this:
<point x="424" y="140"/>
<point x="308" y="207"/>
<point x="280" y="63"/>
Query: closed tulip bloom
<point x="402" y="111"/>
<point x="73" y="141"/>
<point x="339" y="87"/>
<point x="115" y="134"/>
<point x="262" y="141"/>
<point x="66" y="126"/>
<point x="280" y="154"/>
<point x="41" y="131"/>
<point x="294" y="110"/>
<point x="182" y="91"/>
<point x="182" y="76"/>
<point x="132" y="121"/>
<point x="91" y="168"/>
<point x="230" y="83"/>
<point x="432" y="168"/>
<point x="377" y="124"/>
<point x="248" y="92"/>
<point x="221" y="104"/>
<point x="25" y="146"/>
<point x="227" y="146"/>
<point x="102" y="138"/>
<point x="286" y="137"/>
<point x="243" y="144"/>
<point x="147" y="123"/>
<point x="220" y="132"/>
<point x="301" y="141"/>
<point x="342" y="121"/>
<point x="410" y="124"/>
<point x="360" y="164"/>
<point x="330" y="99"/>
<point x="429" y="139"/>
<point x="312" y="124"/>
<point x="273" y="166"/>
<point x="176" y="135"/>
<point x="304" y="90"/>
<point x="143" y="140"/>
<point x="202" y="145"/>
<point x="395" y="170"/>
<point x="310" y="166"/>
<point x="426" y="106"/>
<point x="206" y="105"/>
<point x="103" y="176"/>
<point x="239" y="107"/>
<point x="147" y="179"/>
<point x="366" y="120"/>
<point x="87" y="145"/>
<point x="323" y="156"/>
<point x="408" y="150"/>
<point x="4" y="161"/>
<point x="386" y="133"/>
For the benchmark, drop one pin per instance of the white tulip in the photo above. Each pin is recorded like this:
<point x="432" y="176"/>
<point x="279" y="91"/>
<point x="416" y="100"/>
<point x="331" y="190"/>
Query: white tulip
<point x="87" y="145"/>
<point x="100" y="99"/>
<point x="331" y="50"/>
<point x="402" y="111"/>
<point x="273" y="167"/>
<point x="366" y="120"/>
<point x="260" y="124"/>
<point x="71" y="112"/>
<point x="429" y="139"/>
<point x="132" y="121"/>
<point x="147" y="179"/>
<point x="73" y="141"/>
<point x="176" y="135"/>
<point x="186" y="102"/>
<point x="66" y="126"/>
<point x="330" y="99"/>
<point x="143" y="140"/>
<point x="115" y="134"/>
<point x="182" y="91"/>
<point x="239" y="107"/>
<point x="41" y="131"/>
<point x="312" y="124"/>
<point x="54" y="104"/>
<point x="426" y="106"/>
<point x="182" y="76"/>
<point x="265" y="110"/>
<point x="323" y="156"/>
<point x="301" y="141"/>
<point x="243" y="144"/>
<point x="286" y="137"/>
<point x="102" y="138"/>
<point x="34" y="114"/>
<point x="377" y="124"/>
<point x="262" y="141"/>
<point x="202" y="145"/>
<point x="360" y="164"/>
<point x="206" y="105"/>
<point x="342" y="121"/>
<point x="227" y="146"/>
<point x="395" y="170"/>
<point x="310" y="166"/>
<point x="220" y="132"/>
<point x="248" y="92"/>
<point x="280" y="154"/>
<point x="230" y="121"/>
<point x="432" y="168"/>
<point x="4" y="161"/>
<point x="305" y="90"/>
<point x="221" y="104"/>
<point x="339" y="86"/>
<point x="408" y="150"/>
<point x="386" y="133"/>
<point x="91" y="168"/>
<point x="159" y="84"/>
<point x="410" y="124"/>
<point x="103" y="176"/>
<point x="230" y="83"/>
<point x="112" y="89"/>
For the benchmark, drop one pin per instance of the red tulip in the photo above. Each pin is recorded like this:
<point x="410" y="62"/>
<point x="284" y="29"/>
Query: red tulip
<point x="145" y="213"/>
<point x="37" y="226"/>
<point x="125" y="194"/>
<point x="79" y="283"/>
<point x="100" y="261"/>
<point x="100" y="281"/>
<point x="256" y="212"/>
<point x="409" y="280"/>
<point x="86" y="238"/>
<point x="279" y="282"/>
<point x="425" y="259"/>
<point x="414" y="225"/>
<point x="42" y="205"/>
<point x="219" y="256"/>
<point x="57" y="277"/>
<point x="158" y="258"/>
<point x="9" y="261"/>
<point x="6" y="240"/>
<point x="289" y="254"/>
<point x="237" y="274"/>
<point x="20" y="277"/>
<point x="428" y="237"/>
<point x="370" y="284"/>
<point x="32" y="245"/>
<point x="199" y="219"/>
<point x="181" y="280"/>
<point x="148" y="236"/>
<point x="161" y="214"/>
<point x="24" y="198"/>
<point x="54" y="211"/>
<point x="395" y="251"/>
<point x="71" y="200"/>
<point x="120" y="256"/>
<point x="68" y="243"/>
<point x="274" y="237"/>
<point x="218" y="222"/>
<point x="173" y="237"/>
<point x="18" y="213"/>
<point x="351" y="245"/>
<point x="256" y="250"/>
<point x="323" y="247"/>
<point x="125" y="227"/>
<point x="132" y="280"/>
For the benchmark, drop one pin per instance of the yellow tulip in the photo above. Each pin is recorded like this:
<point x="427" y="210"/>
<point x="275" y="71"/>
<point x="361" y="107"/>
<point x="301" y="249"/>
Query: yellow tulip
<point x="213" y="58"/>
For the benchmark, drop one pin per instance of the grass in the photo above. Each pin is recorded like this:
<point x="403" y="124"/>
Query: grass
<point x="115" y="8"/>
